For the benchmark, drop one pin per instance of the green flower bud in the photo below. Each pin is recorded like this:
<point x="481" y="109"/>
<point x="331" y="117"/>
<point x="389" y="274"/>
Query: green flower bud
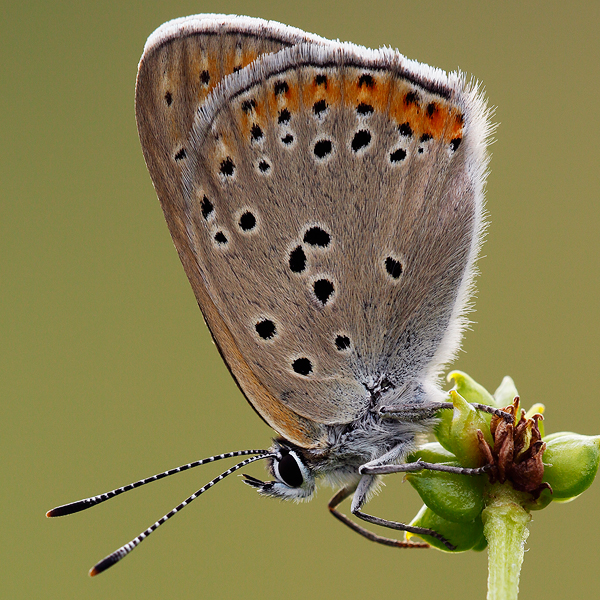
<point x="523" y="462"/>
<point x="456" y="498"/>
<point x="481" y="545"/>
<point x="571" y="463"/>
<point x="462" y="535"/>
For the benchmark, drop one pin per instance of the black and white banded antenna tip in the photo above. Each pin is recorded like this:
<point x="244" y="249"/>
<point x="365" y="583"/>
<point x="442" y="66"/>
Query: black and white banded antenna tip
<point x="117" y="555"/>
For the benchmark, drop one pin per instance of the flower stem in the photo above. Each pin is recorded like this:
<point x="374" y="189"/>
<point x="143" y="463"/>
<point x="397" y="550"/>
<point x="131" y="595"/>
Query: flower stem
<point x="505" y="528"/>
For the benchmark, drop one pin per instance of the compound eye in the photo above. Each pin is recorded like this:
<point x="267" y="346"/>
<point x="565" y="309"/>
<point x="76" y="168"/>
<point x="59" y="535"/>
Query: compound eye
<point x="289" y="471"/>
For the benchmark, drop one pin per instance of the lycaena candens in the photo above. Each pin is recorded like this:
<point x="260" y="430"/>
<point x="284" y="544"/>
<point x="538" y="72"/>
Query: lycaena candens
<point x="326" y="203"/>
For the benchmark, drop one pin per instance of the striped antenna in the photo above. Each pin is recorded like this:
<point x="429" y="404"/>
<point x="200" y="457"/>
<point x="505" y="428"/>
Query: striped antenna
<point x="73" y="507"/>
<point x="123" y="551"/>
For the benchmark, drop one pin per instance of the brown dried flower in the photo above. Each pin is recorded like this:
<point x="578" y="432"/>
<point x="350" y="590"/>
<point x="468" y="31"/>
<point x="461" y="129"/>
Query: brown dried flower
<point x="517" y="451"/>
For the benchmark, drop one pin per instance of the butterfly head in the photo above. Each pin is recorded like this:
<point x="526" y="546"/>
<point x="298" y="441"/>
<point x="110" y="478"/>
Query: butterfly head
<point x="294" y="479"/>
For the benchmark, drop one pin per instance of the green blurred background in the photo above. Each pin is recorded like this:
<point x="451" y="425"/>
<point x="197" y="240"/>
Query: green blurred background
<point x="108" y="373"/>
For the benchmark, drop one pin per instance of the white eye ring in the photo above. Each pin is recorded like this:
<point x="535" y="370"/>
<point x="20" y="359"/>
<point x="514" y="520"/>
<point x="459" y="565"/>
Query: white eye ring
<point x="289" y="470"/>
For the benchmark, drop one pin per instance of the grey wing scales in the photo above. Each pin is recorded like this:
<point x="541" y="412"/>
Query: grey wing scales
<point x="332" y="196"/>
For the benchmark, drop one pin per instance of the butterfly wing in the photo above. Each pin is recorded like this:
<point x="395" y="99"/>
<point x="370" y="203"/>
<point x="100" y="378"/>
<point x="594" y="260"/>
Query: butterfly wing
<point x="183" y="61"/>
<point x="329" y="209"/>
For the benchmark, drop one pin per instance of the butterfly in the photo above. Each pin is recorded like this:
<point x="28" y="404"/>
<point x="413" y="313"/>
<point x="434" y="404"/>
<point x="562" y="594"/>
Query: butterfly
<point x="326" y="203"/>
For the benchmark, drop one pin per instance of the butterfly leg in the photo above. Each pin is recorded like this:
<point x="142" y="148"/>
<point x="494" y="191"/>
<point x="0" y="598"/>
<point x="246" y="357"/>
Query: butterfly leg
<point x="339" y="497"/>
<point x="375" y="468"/>
<point x="359" y="499"/>
<point x="388" y="463"/>
<point x="420" y="412"/>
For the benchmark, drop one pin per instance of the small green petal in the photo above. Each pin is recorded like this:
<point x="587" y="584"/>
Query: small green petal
<point x="432" y="452"/>
<point x="534" y="410"/>
<point x="506" y="392"/>
<point x="457" y="498"/>
<point x="459" y="435"/>
<point x="443" y="427"/>
<point x="539" y="503"/>
<point x="462" y="535"/>
<point x="470" y="390"/>
<point x="571" y="463"/>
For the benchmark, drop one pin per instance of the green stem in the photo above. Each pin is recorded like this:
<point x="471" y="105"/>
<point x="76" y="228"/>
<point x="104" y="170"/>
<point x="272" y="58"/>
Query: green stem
<point x="505" y="528"/>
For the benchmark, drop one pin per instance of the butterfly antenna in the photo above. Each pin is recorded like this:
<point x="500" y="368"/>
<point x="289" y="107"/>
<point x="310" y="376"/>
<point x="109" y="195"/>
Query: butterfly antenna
<point x="123" y="551"/>
<point x="73" y="507"/>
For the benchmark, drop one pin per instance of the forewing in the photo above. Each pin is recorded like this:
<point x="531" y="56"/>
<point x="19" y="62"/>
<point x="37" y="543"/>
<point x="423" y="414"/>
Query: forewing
<point x="183" y="61"/>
